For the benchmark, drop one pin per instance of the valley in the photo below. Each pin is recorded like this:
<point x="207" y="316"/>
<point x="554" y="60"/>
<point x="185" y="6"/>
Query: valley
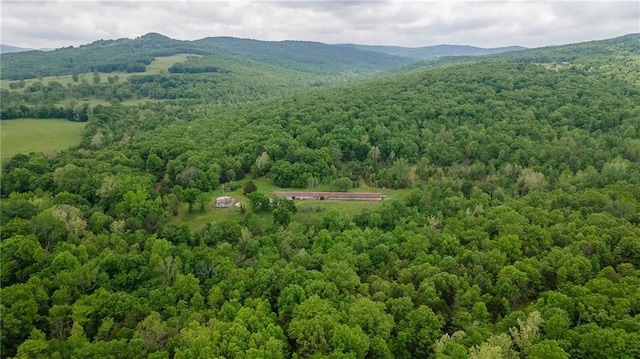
<point x="509" y="225"/>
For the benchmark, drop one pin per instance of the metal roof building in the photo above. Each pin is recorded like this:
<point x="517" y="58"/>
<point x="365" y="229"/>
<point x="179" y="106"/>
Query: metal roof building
<point x="331" y="196"/>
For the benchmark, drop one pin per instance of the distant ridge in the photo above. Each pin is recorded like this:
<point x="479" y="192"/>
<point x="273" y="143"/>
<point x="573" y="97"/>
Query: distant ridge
<point x="427" y="52"/>
<point x="5" y="49"/>
<point x="132" y="55"/>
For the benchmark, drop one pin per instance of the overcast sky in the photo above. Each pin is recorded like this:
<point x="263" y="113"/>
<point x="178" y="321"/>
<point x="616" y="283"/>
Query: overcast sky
<point x="53" y="24"/>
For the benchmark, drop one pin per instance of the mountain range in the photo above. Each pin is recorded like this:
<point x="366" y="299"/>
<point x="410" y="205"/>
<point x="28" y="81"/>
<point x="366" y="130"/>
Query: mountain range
<point x="427" y="52"/>
<point x="306" y="56"/>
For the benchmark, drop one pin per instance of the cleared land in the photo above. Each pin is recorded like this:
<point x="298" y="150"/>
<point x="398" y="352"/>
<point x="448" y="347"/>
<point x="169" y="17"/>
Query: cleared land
<point x="163" y="63"/>
<point x="37" y="135"/>
<point x="307" y="209"/>
<point x="157" y="66"/>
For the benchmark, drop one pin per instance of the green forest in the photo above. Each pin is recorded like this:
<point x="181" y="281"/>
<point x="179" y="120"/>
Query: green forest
<point x="515" y="231"/>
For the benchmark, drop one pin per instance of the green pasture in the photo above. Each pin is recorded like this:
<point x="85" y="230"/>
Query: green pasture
<point x="161" y="64"/>
<point x="37" y="135"/>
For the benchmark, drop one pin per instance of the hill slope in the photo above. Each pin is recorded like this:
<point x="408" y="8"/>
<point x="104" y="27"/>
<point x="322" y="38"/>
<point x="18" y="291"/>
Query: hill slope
<point x="303" y="55"/>
<point x="132" y="55"/>
<point x="5" y="49"/>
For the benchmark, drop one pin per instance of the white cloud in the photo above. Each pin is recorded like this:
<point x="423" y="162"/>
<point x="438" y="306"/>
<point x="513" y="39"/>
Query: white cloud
<point x="51" y="23"/>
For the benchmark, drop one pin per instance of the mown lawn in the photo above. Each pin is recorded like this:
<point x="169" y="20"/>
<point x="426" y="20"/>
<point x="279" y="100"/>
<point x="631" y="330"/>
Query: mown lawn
<point x="37" y="135"/>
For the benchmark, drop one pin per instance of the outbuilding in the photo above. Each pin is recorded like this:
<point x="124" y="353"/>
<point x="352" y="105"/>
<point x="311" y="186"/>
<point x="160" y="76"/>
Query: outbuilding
<point x="225" y="202"/>
<point x="331" y="196"/>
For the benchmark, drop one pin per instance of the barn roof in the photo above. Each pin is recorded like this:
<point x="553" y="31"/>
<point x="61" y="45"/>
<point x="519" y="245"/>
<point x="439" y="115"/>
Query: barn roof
<point x="329" y="194"/>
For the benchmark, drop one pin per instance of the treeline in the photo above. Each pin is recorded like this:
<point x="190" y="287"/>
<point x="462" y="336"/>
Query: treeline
<point x="77" y="113"/>
<point x="123" y="66"/>
<point x="157" y="87"/>
<point x="182" y="68"/>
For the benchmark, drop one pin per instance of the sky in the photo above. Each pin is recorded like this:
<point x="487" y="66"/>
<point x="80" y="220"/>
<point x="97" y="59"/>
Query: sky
<point x="61" y="23"/>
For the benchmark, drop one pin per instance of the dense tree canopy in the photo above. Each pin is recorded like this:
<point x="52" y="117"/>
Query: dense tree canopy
<point x="517" y="237"/>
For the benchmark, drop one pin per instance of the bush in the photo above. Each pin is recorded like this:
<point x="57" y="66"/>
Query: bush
<point x="249" y="187"/>
<point x="342" y="184"/>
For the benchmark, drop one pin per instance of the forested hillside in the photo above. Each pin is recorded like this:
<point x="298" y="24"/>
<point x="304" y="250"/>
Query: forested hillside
<point x="519" y="236"/>
<point x="58" y="84"/>
<point x="196" y="79"/>
<point x="131" y="55"/>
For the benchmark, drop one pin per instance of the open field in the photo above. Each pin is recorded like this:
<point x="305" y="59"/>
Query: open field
<point x="157" y="66"/>
<point x="161" y="64"/>
<point x="37" y="135"/>
<point x="307" y="209"/>
<point x="68" y="79"/>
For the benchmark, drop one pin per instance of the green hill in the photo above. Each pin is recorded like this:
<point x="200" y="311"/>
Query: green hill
<point x="131" y="55"/>
<point x="303" y="55"/>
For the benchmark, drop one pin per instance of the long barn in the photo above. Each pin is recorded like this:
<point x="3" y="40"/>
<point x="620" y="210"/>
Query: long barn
<point x="331" y="196"/>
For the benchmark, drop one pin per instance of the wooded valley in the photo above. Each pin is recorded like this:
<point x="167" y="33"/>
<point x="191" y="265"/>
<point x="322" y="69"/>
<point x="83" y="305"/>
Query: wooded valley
<point x="511" y="228"/>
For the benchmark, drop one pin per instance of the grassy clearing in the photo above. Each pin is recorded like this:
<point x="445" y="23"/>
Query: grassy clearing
<point x="307" y="209"/>
<point x="159" y="65"/>
<point x="68" y="79"/>
<point x="210" y="213"/>
<point x="199" y="218"/>
<point x="37" y="135"/>
<point x="266" y="186"/>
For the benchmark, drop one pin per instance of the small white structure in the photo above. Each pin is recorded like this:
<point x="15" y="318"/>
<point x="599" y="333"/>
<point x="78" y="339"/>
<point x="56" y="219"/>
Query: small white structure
<point x="225" y="202"/>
